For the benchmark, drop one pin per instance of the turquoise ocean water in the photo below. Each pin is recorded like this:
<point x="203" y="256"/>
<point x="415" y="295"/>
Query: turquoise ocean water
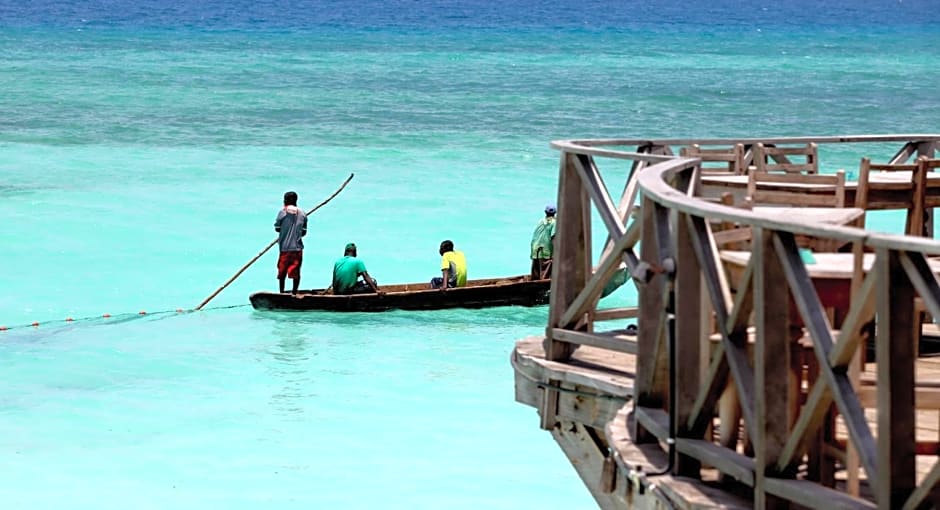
<point x="144" y="151"/>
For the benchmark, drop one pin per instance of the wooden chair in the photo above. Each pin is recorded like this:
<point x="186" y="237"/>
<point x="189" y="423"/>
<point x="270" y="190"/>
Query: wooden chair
<point x="916" y="204"/>
<point x="732" y="161"/>
<point x="929" y="203"/>
<point x="730" y="235"/>
<point x="796" y="190"/>
<point x="768" y="158"/>
<point x="913" y="202"/>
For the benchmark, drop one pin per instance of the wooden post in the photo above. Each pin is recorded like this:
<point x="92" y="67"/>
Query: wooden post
<point x="927" y="149"/>
<point x="772" y="390"/>
<point x="894" y="350"/>
<point x="569" y="273"/>
<point x="584" y="261"/>
<point x="688" y="378"/>
<point x="648" y="322"/>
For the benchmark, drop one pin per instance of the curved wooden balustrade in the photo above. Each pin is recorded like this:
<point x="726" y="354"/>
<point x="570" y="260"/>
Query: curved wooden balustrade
<point x="667" y="245"/>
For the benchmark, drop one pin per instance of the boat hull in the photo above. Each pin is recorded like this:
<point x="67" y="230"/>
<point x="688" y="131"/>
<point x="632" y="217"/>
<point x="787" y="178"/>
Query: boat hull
<point x="518" y="290"/>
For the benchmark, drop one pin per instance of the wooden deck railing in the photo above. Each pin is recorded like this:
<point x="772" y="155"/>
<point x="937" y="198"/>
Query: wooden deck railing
<point x="667" y="245"/>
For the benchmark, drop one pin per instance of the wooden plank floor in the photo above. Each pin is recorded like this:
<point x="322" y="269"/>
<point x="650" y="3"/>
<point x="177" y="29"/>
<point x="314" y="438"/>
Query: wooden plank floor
<point x="597" y="368"/>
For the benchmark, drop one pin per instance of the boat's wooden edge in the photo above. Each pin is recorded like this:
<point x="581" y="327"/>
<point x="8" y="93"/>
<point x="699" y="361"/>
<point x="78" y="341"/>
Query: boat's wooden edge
<point x="321" y="293"/>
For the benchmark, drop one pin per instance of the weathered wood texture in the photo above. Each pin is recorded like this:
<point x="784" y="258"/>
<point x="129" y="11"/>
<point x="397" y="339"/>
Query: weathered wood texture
<point x="772" y="332"/>
<point x="771" y="158"/>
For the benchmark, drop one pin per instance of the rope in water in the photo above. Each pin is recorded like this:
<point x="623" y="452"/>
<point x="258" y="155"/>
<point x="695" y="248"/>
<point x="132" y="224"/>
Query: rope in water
<point x="123" y="317"/>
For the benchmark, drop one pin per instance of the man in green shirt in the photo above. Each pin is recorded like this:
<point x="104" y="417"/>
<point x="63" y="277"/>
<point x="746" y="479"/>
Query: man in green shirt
<point x="541" y="248"/>
<point x="346" y="273"/>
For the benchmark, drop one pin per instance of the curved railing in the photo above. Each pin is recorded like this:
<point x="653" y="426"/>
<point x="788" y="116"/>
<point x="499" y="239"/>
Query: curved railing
<point x="753" y="363"/>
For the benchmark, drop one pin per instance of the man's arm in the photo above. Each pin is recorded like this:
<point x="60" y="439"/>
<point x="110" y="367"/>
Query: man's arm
<point x="365" y="274"/>
<point x="446" y="274"/>
<point x="278" y="220"/>
<point x="303" y="228"/>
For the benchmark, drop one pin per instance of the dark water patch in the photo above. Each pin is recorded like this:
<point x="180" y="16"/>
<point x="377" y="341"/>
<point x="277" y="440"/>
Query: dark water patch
<point x="9" y="190"/>
<point x="458" y="317"/>
<point x="295" y="15"/>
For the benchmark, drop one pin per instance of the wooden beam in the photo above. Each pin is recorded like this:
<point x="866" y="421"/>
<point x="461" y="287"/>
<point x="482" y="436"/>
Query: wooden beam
<point x="894" y="348"/>
<point x="654" y="420"/>
<point x="926" y="149"/>
<point x="860" y="313"/>
<point x="819" y="398"/>
<point x="548" y="409"/>
<point x="903" y="154"/>
<point x="664" y="250"/>
<point x="926" y="489"/>
<point x="611" y="314"/>
<point x="715" y="280"/>
<point x="804" y="295"/>
<point x="594" y="183"/>
<point x="729" y="462"/>
<point x="595" y="285"/>
<point x="812" y="495"/>
<point x="743" y="303"/>
<point x="627" y="201"/>
<point x="771" y="362"/>
<point x="616" y="340"/>
<point x="816" y="323"/>
<point x="716" y="378"/>
<point x="739" y="467"/>
<point x="734" y="347"/>
<point x="688" y="378"/>
<point x="588" y="461"/>
<point x="569" y="255"/>
<point x="923" y="280"/>
<point x="810" y="419"/>
<point x="650" y="318"/>
<point x="585" y="261"/>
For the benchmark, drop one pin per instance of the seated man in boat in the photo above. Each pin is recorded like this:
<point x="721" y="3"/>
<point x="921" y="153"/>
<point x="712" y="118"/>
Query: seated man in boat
<point x="346" y="273"/>
<point x="453" y="268"/>
<point x="541" y="246"/>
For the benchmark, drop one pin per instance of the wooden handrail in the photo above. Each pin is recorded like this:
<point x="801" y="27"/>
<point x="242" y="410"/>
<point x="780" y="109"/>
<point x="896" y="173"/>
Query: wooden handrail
<point x="680" y="276"/>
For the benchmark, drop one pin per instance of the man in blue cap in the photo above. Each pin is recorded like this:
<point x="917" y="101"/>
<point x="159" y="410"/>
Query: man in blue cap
<point x="346" y="273"/>
<point x="542" y="245"/>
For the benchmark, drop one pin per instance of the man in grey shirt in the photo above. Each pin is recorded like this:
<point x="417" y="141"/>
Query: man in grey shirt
<point x="291" y="226"/>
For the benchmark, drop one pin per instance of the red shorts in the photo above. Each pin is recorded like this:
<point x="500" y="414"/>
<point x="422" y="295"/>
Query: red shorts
<point x="288" y="264"/>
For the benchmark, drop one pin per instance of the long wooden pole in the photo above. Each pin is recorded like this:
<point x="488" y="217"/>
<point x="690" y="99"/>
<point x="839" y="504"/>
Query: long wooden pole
<point x="268" y="247"/>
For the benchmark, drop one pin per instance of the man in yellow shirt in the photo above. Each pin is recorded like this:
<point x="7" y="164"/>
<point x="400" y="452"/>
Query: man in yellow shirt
<point x="453" y="268"/>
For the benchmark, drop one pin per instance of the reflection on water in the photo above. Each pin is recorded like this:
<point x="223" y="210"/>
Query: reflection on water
<point x="317" y="359"/>
<point x="460" y="318"/>
<point x="290" y="351"/>
<point x="7" y="190"/>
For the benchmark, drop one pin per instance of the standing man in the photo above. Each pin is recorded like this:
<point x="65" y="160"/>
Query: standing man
<point x="346" y="273"/>
<point x="543" y="239"/>
<point x="453" y="268"/>
<point x="291" y="226"/>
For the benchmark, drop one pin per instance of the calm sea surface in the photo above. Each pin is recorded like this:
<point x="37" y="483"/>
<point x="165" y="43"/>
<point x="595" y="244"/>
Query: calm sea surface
<point x="144" y="150"/>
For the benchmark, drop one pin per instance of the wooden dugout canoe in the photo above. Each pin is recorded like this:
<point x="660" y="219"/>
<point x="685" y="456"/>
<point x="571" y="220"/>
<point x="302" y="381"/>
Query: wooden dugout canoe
<point x="513" y="290"/>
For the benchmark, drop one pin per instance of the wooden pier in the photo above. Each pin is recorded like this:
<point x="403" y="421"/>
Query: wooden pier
<point x="761" y="375"/>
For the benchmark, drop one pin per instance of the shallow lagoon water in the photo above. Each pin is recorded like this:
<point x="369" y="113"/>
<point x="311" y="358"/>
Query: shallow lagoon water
<point x="144" y="151"/>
